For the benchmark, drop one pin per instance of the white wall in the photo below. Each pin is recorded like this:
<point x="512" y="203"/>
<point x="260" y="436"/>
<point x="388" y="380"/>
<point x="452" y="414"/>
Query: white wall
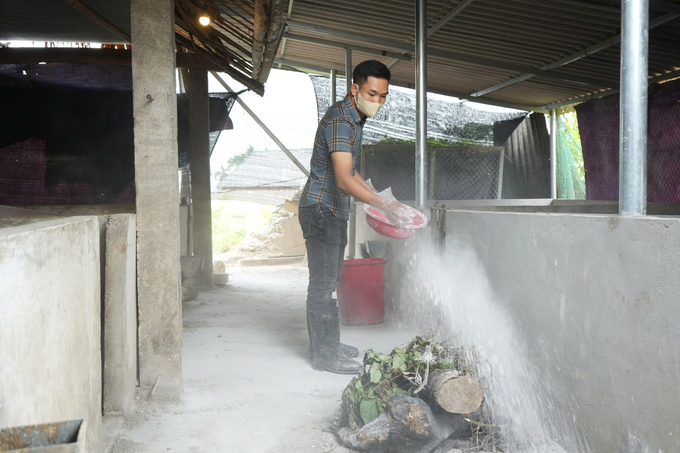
<point x="50" y="337"/>
<point x="597" y="300"/>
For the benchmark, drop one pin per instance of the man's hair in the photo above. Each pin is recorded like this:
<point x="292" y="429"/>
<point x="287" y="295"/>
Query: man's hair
<point x="370" y="68"/>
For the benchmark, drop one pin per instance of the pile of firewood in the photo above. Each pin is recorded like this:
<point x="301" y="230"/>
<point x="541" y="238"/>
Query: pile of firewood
<point x="409" y="401"/>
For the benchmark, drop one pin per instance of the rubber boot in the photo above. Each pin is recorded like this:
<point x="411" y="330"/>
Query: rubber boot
<point x="325" y="340"/>
<point x="349" y="351"/>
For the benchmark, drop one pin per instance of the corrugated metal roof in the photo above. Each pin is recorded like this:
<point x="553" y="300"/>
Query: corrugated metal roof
<point x="487" y="43"/>
<point x="241" y="38"/>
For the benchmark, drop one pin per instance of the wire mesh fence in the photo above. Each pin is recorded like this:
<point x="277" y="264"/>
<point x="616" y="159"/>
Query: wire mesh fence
<point x="462" y="162"/>
<point x="457" y="172"/>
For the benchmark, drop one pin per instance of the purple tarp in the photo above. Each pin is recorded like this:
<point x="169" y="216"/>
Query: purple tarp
<point x="598" y="122"/>
<point x="22" y="180"/>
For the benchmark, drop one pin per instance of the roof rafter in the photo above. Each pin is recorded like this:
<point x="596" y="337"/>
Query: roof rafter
<point x="285" y="28"/>
<point x="601" y="94"/>
<point x="457" y="56"/>
<point x="578" y="55"/>
<point x="99" y="20"/>
<point x="324" y="68"/>
<point x="456" y="10"/>
<point x="340" y="45"/>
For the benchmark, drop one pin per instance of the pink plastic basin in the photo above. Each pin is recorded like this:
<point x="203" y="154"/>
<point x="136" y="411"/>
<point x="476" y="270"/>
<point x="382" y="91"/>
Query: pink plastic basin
<point x="384" y="227"/>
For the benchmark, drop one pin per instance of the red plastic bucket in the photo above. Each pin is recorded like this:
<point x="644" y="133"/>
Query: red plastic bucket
<point x="361" y="292"/>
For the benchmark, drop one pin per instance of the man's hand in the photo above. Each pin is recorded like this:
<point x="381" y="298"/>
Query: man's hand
<point x="398" y="213"/>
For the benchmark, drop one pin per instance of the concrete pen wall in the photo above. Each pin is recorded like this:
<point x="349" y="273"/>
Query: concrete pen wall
<point x="119" y="292"/>
<point x="50" y="327"/>
<point x="597" y="299"/>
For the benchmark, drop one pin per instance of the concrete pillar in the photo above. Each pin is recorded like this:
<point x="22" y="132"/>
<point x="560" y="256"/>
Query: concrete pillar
<point x="120" y="313"/>
<point x="156" y="179"/>
<point x="196" y="85"/>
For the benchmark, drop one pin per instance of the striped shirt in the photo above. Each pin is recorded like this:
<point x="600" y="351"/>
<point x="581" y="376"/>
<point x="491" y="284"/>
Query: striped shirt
<point x="339" y="131"/>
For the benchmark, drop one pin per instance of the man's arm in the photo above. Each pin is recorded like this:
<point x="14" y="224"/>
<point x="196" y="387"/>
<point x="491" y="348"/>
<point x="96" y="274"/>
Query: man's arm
<point x="337" y="136"/>
<point x="352" y="185"/>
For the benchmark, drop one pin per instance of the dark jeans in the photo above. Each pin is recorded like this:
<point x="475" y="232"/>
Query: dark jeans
<point x="326" y="238"/>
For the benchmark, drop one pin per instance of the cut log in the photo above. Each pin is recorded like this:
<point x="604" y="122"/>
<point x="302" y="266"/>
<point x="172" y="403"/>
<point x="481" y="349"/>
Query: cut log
<point x="407" y="426"/>
<point x="454" y="393"/>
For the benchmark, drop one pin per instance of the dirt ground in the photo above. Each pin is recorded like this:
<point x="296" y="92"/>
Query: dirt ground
<point x="248" y="383"/>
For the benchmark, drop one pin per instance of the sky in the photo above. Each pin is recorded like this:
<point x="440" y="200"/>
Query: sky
<point x="288" y="108"/>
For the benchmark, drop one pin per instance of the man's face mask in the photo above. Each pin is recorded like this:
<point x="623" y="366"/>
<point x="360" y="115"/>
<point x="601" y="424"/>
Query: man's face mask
<point x="368" y="108"/>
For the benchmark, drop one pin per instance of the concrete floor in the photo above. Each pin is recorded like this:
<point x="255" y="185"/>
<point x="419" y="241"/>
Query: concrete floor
<point x="248" y="384"/>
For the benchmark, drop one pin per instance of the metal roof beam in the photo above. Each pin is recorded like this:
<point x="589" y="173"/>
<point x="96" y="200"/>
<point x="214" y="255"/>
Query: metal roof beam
<point x="87" y="11"/>
<point x="601" y="94"/>
<point x="119" y="57"/>
<point x="324" y="68"/>
<point x="456" y="56"/>
<point x="340" y="45"/>
<point x="665" y="7"/>
<point x="482" y="61"/>
<point x="349" y="35"/>
<point x="456" y="10"/>
<point x="285" y="28"/>
<point x="314" y="67"/>
<point x="494" y="102"/>
<point x="578" y="55"/>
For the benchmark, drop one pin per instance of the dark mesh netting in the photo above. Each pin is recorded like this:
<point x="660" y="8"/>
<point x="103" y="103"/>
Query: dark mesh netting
<point x="66" y="133"/>
<point x="23" y="171"/>
<point x="66" y="76"/>
<point x="599" y="126"/>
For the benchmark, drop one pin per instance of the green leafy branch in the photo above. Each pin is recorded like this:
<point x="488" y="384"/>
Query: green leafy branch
<point x="403" y="372"/>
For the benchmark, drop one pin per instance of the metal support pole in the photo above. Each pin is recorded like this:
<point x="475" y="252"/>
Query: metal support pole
<point x="348" y="69"/>
<point x="352" y="240"/>
<point x="421" y="104"/>
<point x="553" y="154"/>
<point x="633" y="115"/>
<point x="262" y="125"/>
<point x="334" y="74"/>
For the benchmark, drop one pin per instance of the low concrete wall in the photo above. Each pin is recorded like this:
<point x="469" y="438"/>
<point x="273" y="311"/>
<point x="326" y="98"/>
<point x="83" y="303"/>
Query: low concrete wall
<point x="555" y="206"/>
<point x="50" y="335"/>
<point x="119" y="284"/>
<point x="84" y="209"/>
<point x="596" y="298"/>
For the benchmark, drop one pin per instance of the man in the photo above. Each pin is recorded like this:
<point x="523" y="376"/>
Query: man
<point x="325" y="205"/>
